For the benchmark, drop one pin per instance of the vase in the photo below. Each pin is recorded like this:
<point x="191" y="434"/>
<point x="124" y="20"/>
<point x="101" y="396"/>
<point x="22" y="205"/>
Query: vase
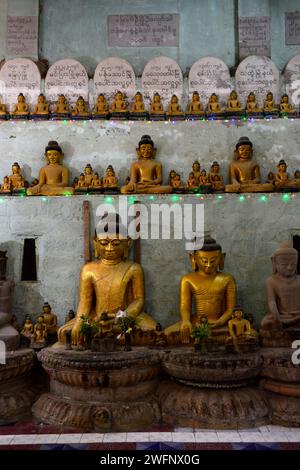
<point x="127" y="346"/>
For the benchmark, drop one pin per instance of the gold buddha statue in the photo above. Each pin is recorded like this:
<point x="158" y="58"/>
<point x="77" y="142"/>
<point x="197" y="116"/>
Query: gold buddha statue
<point x="192" y="182"/>
<point x="110" y="283"/>
<point x="240" y="331"/>
<point x="285" y="107"/>
<point x="96" y="182"/>
<point x="138" y="104"/>
<point x="251" y="105"/>
<point x="176" y="183"/>
<point x="212" y="293"/>
<point x="80" y="184"/>
<point x="61" y="106"/>
<point x="195" y="106"/>
<point x="269" y="104"/>
<point x="42" y="107"/>
<point x="101" y="107"/>
<point x="156" y="107"/>
<point x="119" y="104"/>
<point x="21" y="108"/>
<point x="213" y="105"/>
<point x="27" y="328"/>
<point x="196" y="169"/>
<point x="110" y="181"/>
<point x="40" y="332"/>
<point x="81" y="108"/>
<point x="6" y="186"/>
<point x="271" y="178"/>
<point x="233" y="104"/>
<point x="244" y="172"/>
<point x="146" y="173"/>
<point x="282" y="178"/>
<point x="204" y="180"/>
<point x="174" y="109"/>
<point x="18" y="183"/>
<point x="50" y="319"/>
<point x="53" y="178"/>
<point x="172" y="175"/>
<point x="215" y="178"/>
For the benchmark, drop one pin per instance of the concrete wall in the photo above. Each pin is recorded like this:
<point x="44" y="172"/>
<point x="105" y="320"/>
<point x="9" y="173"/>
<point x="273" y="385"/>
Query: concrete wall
<point x="248" y="230"/>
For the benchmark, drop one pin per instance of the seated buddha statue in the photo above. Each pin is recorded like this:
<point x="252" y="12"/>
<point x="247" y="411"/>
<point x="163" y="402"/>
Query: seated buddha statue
<point x="40" y="333"/>
<point x="96" y="182"/>
<point x="195" y="106"/>
<point x="138" y="109"/>
<point x="101" y="107"/>
<point x="269" y="104"/>
<point x="213" y="105"/>
<point x="18" y="183"/>
<point x="53" y="177"/>
<point x="50" y="319"/>
<point x="81" y="184"/>
<point x="110" y="182"/>
<point x="6" y="186"/>
<point x="176" y="184"/>
<point x="3" y="112"/>
<point x="81" y="109"/>
<point x="172" y="175"/>
<point x="252" y="105"/>
<point x="196" y="169"/>
<point x="215" y="178"/>
<point x="61" y="107"/>
<point x="285" y="107"/>
<point x="211" y="292"/>
<point x="27" y="328"/>
<point x="233" y="104"/>
<point x="21" y="109"/>
<point x="156" y="108"/>
<point x="282" y="178"/>
<point x="204" y="183"/>
<point x="174" y="109"/>
<point x="271" y="178"/>
<point x="191" y="182"/>
<point x="119" y="104"/>
<point x="244" y="173"/>
<point x="110" y="283"/>
<point x="146" y="173"/>
<point x="41" y="109"/>
<point x="283" y="296"/>
<point x="240" y="331"/>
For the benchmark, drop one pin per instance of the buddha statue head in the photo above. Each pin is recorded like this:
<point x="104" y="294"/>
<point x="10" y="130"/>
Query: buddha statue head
<point x="196" y="166"/>
<point x="243" y="149"/>
<point x="3" y="262"/>
<point x="195" y="96"/>
<point x="53" y="152"/>
<point x="156" y="98"/>
<point x="209" y="258"/>
<point x="46" y="308"/>
<point x="146" y="149"/>
<point x="174" y="99"/>
<point x="110" y="171"/>
<point x="215" y="167"/>
<point x="41" y="99"/>
<point x="269" y="96"/>
<point x="16" y="169"/>
<point x="21" y="98"/>
<point x="282" y="166"/>
<point x="138" y="96"/>
<point x="213" y="98"/>
<point x="284" y="260"/>
<point x="233" y="95"/>
<point x="88" y="169"/>
<point x="251" y="97"/>
<point x="111" y="242"/>
<point x="284" y="99"/>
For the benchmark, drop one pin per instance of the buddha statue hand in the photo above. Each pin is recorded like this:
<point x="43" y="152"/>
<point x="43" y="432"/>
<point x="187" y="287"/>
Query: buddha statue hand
<point x="76" y="332"/>
<point x="185" y="331"/>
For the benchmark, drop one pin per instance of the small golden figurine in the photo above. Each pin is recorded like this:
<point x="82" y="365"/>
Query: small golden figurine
<point x="53" y="177"/>
<point x="101" y="108"/>
<point x="213" y="105"/>
<point x="110" y="182"/>
<point x="50" y="319"/>
<point x="3" y="112"/>
<point x="233" y="104"/>
<point x="18" y="183"/>
<point x="119" y="106"/>
<point x="244" y="172"/>
<point x="146" y="173"/>
<point x="96" y="182"/>
<point x="192" y="182"/>
<point x="174" y="109"/>
<point x="196" y="169"/>
<point x="195" y="107"/>
<point x="252" y="107"/>
<point x="81" y="110"/>
<point x="270" y="107"/>
<point x="61" y="107"/>
<point x="27" y="329"/>
<point x="241" y="335"/>
<point x="157" y="109"/>
<point x="88" y="181"/>
<point x="41" y="109"/>
<point x="176" y="183"/>
<point x="285" y="107"/>
<point x="138" y="110"/>
<point x="6" y="186"/>
<point x="282" y="178"/>
<point x="172" y="175"/>
<point x="204" y="183"/>
<point x="215" y="178"/>
<point x="39" y="339"/>
<point x="21" y="109"/>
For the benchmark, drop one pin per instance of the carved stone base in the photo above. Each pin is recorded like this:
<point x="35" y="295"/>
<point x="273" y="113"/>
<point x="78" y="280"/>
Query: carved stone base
<point x="101" y="392"/>
<point x="17" y="392"/>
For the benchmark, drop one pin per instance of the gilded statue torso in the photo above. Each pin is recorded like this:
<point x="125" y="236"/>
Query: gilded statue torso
<point x="244" y="170"/>
<point x="53" y="173"/>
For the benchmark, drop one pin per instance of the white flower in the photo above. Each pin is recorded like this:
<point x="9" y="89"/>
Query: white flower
<point x="121" y="314"/>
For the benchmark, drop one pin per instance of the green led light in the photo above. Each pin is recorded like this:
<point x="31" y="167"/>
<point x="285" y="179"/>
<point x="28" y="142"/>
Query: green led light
<point x="242" y="198"/>
<point x="286" y="197"/>
<point x="152" y="197"/>
<point x="174" y="198"/>
<point x="1" y="201"/>
<point x="263" y="198"/>
<point x="108" y="199"/>
<point x="131" y="200"/>
<point x="220" y="197"/>
<point x="44" y="199"/>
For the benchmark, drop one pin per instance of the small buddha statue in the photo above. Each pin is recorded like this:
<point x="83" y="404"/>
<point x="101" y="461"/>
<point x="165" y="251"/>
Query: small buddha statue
<point x="197" y="171"/>
<point x="50" y="319"/>
<point x="53" y="178"/>
<point x="282" y="323"/>
<point x="251" y="105"/>
<point x="34" y="182"/>
<point x="213" y="105"/>
<point x="27" y="329"/>
<point x="244" y="172"/>
<point x="18" y="184"/>
<point x="6" y="186"/>
<point x="270" y="107"/>
<point x="215" y="178"/>
<point x="174" y="109"/>
<point x="271" y="178"/>
<point x="110" y="182"/>
<point x="204" y="183"/>
<point x="195" y="107"/>
<point x="172" y="175"/>
<point x="3" y="111"/>
<point x="88" y="175"/>
<point x="39" y="339"/>
<point x="192" y="182"/>
<point x="81" y="109"/>
<point x="282" y="178"/>
<point x="123" y="288"/>
<point x="119" y="105"/>
<point x="146" y="173"/>
<point x="160" y="339"/>
<point x="156" y="108"/>
<point x="41" y="109"/>
<point x="212" y="292"/>
<point x="81" y="184"/>
<point x="240" y="332"/>
<point x="21" y="109"/>
<point x="96" y="184"/>
<point x="70" y="315"/>
<point x="75" y="182"/>
<point x="138" y="109"/>
<point x="176" y="184"/>
<point x="285" y="107"/>
<point x="233" y="104"/>
<point x="101" y="108"/>
<point x="61" y="107"/>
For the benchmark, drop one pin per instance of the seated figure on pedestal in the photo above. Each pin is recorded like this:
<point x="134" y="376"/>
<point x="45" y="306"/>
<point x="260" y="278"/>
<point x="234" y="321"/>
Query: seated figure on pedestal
<point x="283" y="181"/>
<point x="50" y="319"/>
<point x="146" y="173"/>
<point x="156" y="108"/>
<point x="195" y="107"/>
<point x="174" y="109"/>
<point x="41" y="110"/>
<point x="5" y="188"/>
<point x="252" y="107"/>
<point x="110" y="181"/>
<point x="81" y="109"/>
<point x="18" y="184"/>
<point x="61" y="107"/>
<point x="119" y="106"/>
<point x="244" y="172"/>
<point x="101" y="108"/>
<point x="282" y="324"/>
<point x="241" y="335"/>
<point x="270" y="107"/>
<point x="21" y="109"/>
<point x="215" y="178"/>
<point x="110" y="283"/>
<point x="285" y="107"/>
<point x="213" y="106"/>
<point x="212" y="292"/>
<point x="138" y="110"/>
<point x="233" y="105"/>
<point x="53" y="178"/>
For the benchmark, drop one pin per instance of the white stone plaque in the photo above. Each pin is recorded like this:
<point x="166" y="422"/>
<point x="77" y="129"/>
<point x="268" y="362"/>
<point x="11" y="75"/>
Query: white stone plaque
<point x="19" y="76"/>
<point x="66" y="77"/>
<point x="292" y="79"/>
<point x="210" y="75"/>
<point x="164" y="76"/>
<point x="258" y="74"/>
<point x="254" y="36"/>
<point x="114" y="74"/>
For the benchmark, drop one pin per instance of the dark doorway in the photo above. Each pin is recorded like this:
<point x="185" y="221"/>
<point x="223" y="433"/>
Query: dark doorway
<point x="296" y="245"/>
<point x="29" y="260"/>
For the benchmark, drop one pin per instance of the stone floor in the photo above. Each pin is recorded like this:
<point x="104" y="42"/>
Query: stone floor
<point x="32" y="436"/>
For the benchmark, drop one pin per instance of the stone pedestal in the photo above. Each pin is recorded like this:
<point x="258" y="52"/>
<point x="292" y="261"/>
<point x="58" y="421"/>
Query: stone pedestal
<point x="17" y="392"/>
<point x="213" y="390"/>
<point x="281" y="380"/>
<point x="100" y="392"/>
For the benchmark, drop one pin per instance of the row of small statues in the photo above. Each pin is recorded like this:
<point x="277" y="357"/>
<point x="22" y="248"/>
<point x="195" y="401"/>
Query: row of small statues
<point x="120" y="107"/>
<point x="146" y="175"/>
